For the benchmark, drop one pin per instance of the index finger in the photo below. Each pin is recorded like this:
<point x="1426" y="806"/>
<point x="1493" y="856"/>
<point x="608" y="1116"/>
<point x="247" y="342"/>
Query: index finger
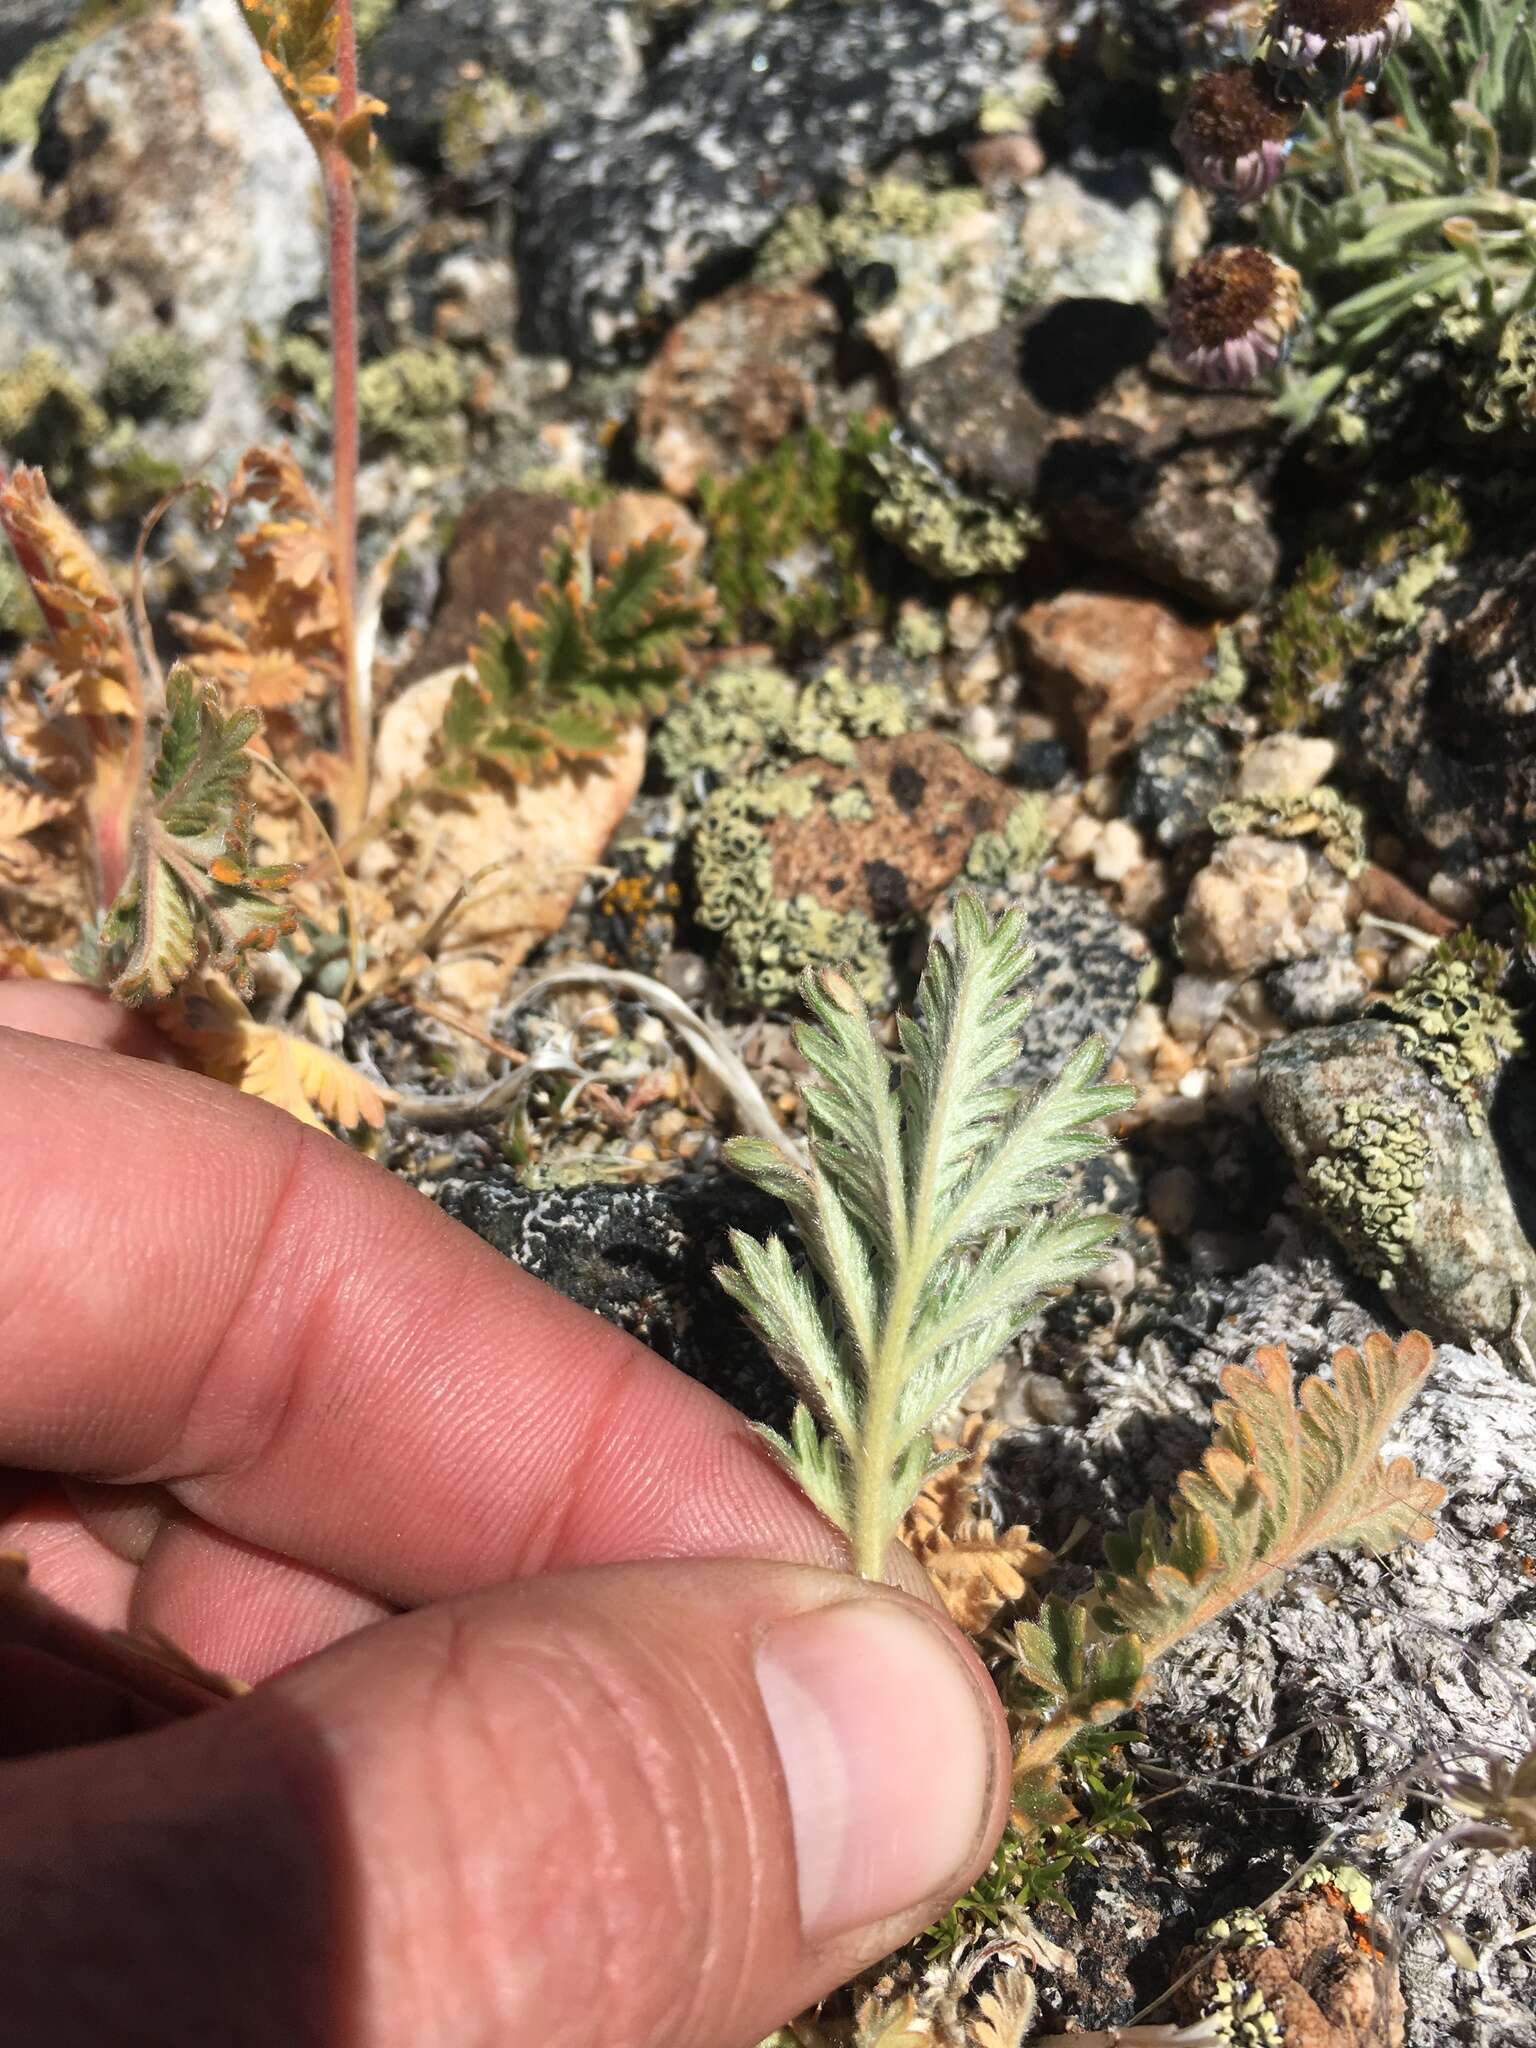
<point x="195" y="1290"/>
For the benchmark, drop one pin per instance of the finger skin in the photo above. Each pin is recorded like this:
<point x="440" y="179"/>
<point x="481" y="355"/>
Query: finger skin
<point x="80" y="1016"/>
<point x="552" y="1812"/>
<point x="196" y="1290"/>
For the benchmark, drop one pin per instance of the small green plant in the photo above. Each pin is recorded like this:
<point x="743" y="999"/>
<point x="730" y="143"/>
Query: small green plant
<point x="193" y="896"/>
<point x="1407" y="209"/>
<point x="790" y="539"/>
<point x="1288" y="1473"/>
<point x="926" y="1214"/>
<point x="559" y="680"/>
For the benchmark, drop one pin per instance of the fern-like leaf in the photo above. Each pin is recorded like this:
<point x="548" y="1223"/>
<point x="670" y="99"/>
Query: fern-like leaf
<point x="558" y="682"/>
<point x="313" y="1084"/>
<point x="299" y="44"/>
<point x="1287" y="1474"/>
<point x="922" y="1216"/>
<point x="193" y="894"/>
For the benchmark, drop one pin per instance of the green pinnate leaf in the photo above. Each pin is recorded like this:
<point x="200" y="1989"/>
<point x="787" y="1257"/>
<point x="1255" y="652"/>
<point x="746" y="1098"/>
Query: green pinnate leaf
<point x="915" y="1301"/>
<point x="193" y="897"/>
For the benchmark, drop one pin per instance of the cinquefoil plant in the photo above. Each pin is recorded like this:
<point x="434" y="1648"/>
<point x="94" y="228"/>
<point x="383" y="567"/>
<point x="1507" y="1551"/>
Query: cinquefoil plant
<point x="926" y="1217"/>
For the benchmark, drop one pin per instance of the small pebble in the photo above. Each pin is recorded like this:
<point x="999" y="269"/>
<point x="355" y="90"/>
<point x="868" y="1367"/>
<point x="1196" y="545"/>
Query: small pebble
<point x="1195" y="1083"/>
<point x="1079" y="839"/>
<point x="1287" y="764"/>
<point x="1119" y="850"/>
<point x="1455" y="897"/>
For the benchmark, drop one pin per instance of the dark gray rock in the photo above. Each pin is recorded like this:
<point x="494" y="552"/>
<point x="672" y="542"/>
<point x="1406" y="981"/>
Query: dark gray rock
<point x="1184" y="766"/>
<point x="559" y="57"/>
<point x="621" y="221"/>
<point x="26" y="23"/>
<point x="643" y="1258"/>
<point x="1086" y="977"/>
<point x="1444" y="729"/>
<point x="1070" y="411"/>
<point x="1417" y="1197"/>
<point x="1328" y="989"/>
<point x="1303" y="1709"/>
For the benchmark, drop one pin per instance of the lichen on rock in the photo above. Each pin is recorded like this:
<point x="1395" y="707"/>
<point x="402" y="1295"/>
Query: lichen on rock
<point x="1451" y="1019"/>
<point x="1366" y="1184"/>
<point x="951" y="533"/>
<point x="1322" y="814"/>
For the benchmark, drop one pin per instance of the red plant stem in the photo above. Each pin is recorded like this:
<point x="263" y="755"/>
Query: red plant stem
<point x="341" y="206"/>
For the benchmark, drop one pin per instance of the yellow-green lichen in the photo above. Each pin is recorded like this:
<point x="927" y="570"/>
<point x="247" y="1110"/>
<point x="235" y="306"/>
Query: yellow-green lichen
<point x="894" y="210"/>
<point x="1242" y="2015"/>
<point x="47" y="416"/>
<point x="478" y="115"/>
<point x="797" y="248"/>
<point x="410" y="401"/>
<point x="744" y="716"/>
<point x="851" y="804"/>
<point x="1243" y="1929"/>
<point x="995" y="857"/>
<point x="1345" y="1878"/>
<point x="1324" y="815"/>
<point x="156" y="375"/>
<point x="24" y="91"/>
<point x="944" y="530"/>
<point x="1452" y="1020"/>
<point x="768" y="941"/>
<point x="1366" y="1185"/>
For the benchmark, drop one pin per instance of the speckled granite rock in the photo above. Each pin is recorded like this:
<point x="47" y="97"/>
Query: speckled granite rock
<point x="556" y="57"/>
<point x="1445" y="728"/>
<point x="1086" y="977"/>
<point x="169" y="195"/>
<point x="642" y="1257"/>
<point x="1311" y="1702"/>
<point x="1414" y="1193"/>
<point x="620" y="221"/>
<point x="1183" y="768"/>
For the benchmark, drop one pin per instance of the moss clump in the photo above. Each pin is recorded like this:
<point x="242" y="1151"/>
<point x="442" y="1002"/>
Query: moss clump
<point x="1452" y="1020"/>
<point x="1333" y="613"/>
<point x="944" y="530"/>
<point x="409" y="400"/>
<point x="1324" y="815"/>
<point x="1312" y="646"/>
<point x="1022" y="844"/>
<point x="47" y="416"/>
<point x="1366" y="1185"/>
<point x="797" y="248"/>
<point x="156" y="375"/>
<point x="768" y="941"/>
<point x="791" y="539"/>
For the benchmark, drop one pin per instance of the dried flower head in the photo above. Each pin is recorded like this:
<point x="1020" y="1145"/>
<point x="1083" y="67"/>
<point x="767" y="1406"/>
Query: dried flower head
<point x="1337" y="42"/>
<point x="1231" y="315"/>
<point x="1235" y="132"/>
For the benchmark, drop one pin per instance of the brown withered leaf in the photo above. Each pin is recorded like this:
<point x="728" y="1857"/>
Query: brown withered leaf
<point x="976" y="1570"/>
<point x="209" y="1021"/>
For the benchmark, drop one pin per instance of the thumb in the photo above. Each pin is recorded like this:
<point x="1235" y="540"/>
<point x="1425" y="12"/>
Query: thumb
<point x="643" y="1806"/>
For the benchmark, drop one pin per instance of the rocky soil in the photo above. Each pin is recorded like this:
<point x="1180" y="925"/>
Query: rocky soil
<point x="864" y="299"/>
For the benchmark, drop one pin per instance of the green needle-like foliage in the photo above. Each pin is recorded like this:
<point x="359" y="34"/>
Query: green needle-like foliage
<point x="1414" y="211"/>
<point x="926" y="1216"/>
<point x="192" y="895"/>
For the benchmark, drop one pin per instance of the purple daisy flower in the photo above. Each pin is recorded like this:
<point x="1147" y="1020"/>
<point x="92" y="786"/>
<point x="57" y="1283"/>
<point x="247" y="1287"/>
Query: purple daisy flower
<point x="1231" y="316"/>
<point x="1235" y="132"/>
<point x="1337" y="42"/>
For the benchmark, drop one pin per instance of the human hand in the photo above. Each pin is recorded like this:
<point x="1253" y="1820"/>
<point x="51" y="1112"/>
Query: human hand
<point x="561" y="1730"/>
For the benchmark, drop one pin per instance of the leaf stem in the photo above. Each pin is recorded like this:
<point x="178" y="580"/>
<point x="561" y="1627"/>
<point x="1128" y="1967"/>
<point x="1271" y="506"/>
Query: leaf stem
<point x="341" y="210"/>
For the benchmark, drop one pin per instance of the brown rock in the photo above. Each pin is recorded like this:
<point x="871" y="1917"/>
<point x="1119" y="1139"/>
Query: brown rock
<point x="1319" y="1971"/>
<point x="926" y="803"/>
<point x="731" y="381"/>
<point x="1107" y="665"/>
<point x="494" y="560"/>
<point x="998" y="162"/>
<point x="1259" y="901"/>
